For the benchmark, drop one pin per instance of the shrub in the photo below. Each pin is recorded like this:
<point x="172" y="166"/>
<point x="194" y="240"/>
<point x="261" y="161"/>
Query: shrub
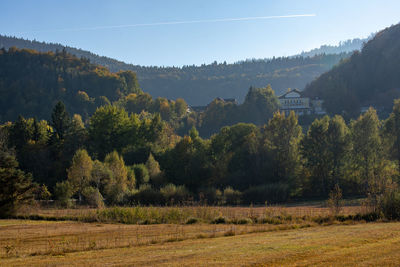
<point x="273" y="193"/>
<point x="390" y="205"/>
<point x="243" y="221"/>
<point x="63" y="192"/>
<point x="168" y="192"/>
<point x="93" y="197"/>
<point x="141" y="174"/>
<point x="211" y="196"/>
<point x="231" y="196"/>
<point x="192" y="220"/>
<point x="147" y="195"/>
<point x="42" y="193"/>
<point x="219" y="220"/>
<point x="335" y="201"/>
<point x="174" y="194"/>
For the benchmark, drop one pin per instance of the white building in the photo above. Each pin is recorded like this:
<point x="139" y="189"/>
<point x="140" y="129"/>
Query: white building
<point x="293" y="100"/>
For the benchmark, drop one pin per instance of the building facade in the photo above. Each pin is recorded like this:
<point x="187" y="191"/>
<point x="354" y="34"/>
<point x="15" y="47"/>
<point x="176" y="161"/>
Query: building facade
<point x="293" y="100"/>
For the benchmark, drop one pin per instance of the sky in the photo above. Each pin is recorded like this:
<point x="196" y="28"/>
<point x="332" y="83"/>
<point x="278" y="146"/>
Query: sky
<point x="194" y="32"/>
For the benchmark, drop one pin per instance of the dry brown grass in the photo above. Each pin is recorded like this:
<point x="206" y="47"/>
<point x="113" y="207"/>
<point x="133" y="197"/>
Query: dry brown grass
<point x="21" y="238"/>
<point x="204" y="213"/>
<point x="372" y="244"/>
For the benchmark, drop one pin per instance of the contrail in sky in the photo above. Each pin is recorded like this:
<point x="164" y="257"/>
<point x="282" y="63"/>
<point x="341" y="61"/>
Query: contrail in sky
<point x="175" y="23"/>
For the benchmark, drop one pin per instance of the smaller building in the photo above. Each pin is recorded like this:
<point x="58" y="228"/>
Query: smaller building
<point x="293" y="100"/>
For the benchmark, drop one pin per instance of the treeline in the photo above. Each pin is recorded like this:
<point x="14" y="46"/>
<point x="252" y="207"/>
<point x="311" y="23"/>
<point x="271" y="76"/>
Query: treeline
<point x="199" y="85"/>
<point x="348" y="46"/>
<point x="123" y="159"/>
<point x="368" y="78"/>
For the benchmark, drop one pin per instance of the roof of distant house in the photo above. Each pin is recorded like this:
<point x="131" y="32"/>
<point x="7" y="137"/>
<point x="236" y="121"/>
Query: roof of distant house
<point x="290" y="92"/>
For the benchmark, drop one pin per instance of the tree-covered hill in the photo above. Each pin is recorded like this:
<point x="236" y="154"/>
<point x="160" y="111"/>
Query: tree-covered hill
<point x="32" y="82"/>
<point x="369" y="77"/>
<point x="199" y="85"/>
<point x="343" y="47"/>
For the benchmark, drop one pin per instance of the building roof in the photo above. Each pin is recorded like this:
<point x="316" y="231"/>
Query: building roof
<point x="291" y="94"/>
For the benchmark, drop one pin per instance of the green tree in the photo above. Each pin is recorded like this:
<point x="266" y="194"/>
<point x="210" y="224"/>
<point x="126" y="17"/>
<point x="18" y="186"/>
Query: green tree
<point x="155" y="173"/>
<point x="392" y="133"/>
<point x="79" y="174"/>
<point x="101" y="175"/>
<point x="259" y="105"/>
<point x="234" y="156"/>
<point x="63" y="192"/>
<point x="117" y="186"/>
<point x="367" y="145"/>
<point x="141" y="174"/>
<point x="19" y="133"/>
<point x="314" y="149"/>
<point x="109" y="130"/>
<point x="60" y="120"/>
<point x="16" y="187"/>
<point x="281" y="140"/>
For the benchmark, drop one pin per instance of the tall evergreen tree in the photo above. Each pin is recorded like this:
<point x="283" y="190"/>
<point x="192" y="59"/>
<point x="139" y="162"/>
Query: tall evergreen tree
<point x="16" y="187"/>
<point x="60" y="120"/>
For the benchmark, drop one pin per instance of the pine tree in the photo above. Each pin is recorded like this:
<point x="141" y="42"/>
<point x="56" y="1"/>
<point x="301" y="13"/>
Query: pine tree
<point x="60" y="120"/>
<point x="16" y="187"/>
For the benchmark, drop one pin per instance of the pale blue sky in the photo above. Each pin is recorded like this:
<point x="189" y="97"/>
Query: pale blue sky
<point x="195" y="43"/>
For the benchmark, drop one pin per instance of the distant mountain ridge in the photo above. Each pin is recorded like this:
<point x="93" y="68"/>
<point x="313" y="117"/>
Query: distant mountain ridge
<point x="199" y="85"/>
<point x="347" y="46"/>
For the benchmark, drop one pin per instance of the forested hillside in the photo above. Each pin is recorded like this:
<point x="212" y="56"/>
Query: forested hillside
<point x="199" y="85"/>
<point x="31" y="83"/>
<point x="343" y="47"/>
<point x="369" y="77"/>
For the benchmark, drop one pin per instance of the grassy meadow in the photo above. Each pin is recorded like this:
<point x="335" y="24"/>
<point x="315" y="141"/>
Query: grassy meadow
<point x="200" y="235"/>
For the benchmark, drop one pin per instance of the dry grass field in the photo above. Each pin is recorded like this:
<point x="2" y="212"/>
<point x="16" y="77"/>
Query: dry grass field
<point x="363" y="244"/>
<point x="153" y="236"/>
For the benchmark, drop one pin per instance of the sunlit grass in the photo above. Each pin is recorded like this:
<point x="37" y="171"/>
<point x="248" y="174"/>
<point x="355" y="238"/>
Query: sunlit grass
<point x="372" y="244"/>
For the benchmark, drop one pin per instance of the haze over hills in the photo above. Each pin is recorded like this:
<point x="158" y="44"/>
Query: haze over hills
<point x="368" y="78"/>
<point x="199" y="85"/>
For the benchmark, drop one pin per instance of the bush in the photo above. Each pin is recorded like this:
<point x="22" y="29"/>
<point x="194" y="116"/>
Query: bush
<point x="141" y="174"/>
<point x="42" y="193"/>
<point x="231" y="196"/>
<point x="174" y="194"/>
<point x="243" y="221"/>
<point x="211" y="196"/>
<point x="273" y="193"/>
<point x="93" y="197"/>
<point x="63" y="192"/>
<point x="335" y="201"/>
<point x="219" y="220"/>
<point x="146" y="195"/>
<point x="390" y="205"/>
<point x="192" y="220"/>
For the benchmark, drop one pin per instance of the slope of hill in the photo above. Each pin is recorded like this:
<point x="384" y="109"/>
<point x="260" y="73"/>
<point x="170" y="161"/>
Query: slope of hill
<point x="369" y="77"/>
<point x="32" y="82"/>
<point x="199" y="85"/>
<point x="343" y="47"/>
